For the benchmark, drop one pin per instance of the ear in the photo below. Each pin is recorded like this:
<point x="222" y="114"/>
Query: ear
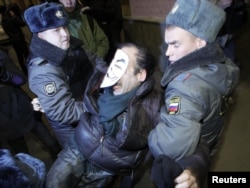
<point x="141" y="76"/>
<point x="201" y="43"/>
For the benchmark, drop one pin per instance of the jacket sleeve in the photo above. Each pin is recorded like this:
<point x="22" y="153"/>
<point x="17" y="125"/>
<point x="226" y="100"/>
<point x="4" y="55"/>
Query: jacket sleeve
<point x="90" y="33"/>
<point x="97" y="62"/>
<point x="178" y="131"/>
<point x="199" y="162"/>
<point x="50" y="85"/>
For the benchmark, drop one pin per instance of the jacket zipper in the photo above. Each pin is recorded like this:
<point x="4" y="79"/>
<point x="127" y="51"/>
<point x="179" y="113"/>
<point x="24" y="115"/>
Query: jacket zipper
<point x="101" y="140"/>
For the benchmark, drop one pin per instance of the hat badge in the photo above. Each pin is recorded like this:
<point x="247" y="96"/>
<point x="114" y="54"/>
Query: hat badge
<point x="59" y="14"/>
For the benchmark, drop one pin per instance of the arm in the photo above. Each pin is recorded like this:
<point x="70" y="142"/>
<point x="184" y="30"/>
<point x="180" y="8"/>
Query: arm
<point x="50" y="85"/>
<point x="189" y="172"/>
<point x="102" y="41"/>
<point x="178" y="132"/>
<point x="97" y="62"/>
<point x="89" y="32"/>
<point x="195" y="168"/>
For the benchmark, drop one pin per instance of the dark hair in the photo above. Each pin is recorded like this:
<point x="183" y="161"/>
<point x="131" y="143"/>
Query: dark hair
<point x="13" y="177"/>
<point x="145" y="59"/>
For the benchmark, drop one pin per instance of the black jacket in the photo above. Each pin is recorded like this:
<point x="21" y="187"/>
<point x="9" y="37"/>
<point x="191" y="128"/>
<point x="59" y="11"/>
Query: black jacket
<point x="123" y="152"/>
<point x="16" y="111"/>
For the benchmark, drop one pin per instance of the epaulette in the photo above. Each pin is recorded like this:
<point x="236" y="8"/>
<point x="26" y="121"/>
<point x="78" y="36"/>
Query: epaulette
<point x="37" y="61"/>
<point x="182" y="77"/>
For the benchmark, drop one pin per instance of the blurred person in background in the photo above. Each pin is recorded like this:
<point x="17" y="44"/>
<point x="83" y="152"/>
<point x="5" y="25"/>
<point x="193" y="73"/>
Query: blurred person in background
<point x="12" y="26"/>
<point x="108" y="14"/>
<point x="85" y="28"/>
<point x="236" y="17"/>
<point x="17" y="117"/>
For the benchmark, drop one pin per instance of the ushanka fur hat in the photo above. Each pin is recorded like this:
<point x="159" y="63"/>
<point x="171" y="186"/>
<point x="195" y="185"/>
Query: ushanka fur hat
<point x="45" y="16"/>
<point x="199" y="17"/>
<point x="21" y="170"/>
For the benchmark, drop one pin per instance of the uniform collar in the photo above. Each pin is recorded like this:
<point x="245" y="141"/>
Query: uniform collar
<point x="210" y="54"/>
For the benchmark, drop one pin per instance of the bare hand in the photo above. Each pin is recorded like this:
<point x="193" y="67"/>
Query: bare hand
<point x="186" y="180"/>
<point x="224" y="3"/>
<point x="36" y="105"/>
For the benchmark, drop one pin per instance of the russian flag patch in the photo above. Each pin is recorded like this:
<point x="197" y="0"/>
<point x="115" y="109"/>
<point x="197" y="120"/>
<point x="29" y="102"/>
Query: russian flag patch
<point x="174" y="105"/>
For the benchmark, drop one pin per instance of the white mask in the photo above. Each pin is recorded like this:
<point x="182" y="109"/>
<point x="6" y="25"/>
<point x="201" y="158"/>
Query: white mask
<point x="116" y="69"/>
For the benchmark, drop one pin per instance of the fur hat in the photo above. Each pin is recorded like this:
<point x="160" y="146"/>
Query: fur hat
<point x="21" y="170"/>
<point x="45" y="16"/>
<point x="11" y="177"/>
<point x="199" y="17"/>
<point x="6" y="158"/>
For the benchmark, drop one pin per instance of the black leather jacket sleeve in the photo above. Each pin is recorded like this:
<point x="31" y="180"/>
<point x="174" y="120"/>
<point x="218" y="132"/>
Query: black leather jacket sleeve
<point x="199" y="163"/>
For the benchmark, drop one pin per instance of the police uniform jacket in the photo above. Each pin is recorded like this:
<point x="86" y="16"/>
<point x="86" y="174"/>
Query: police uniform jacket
<point x="196" y="90"/>
<point x="58" y="78"/>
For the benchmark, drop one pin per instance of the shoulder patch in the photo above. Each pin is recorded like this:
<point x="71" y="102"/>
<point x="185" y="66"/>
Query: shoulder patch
<point x="50" y="88"/>
<point x="182" y="77"/>
<point x="174" y="105"/>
